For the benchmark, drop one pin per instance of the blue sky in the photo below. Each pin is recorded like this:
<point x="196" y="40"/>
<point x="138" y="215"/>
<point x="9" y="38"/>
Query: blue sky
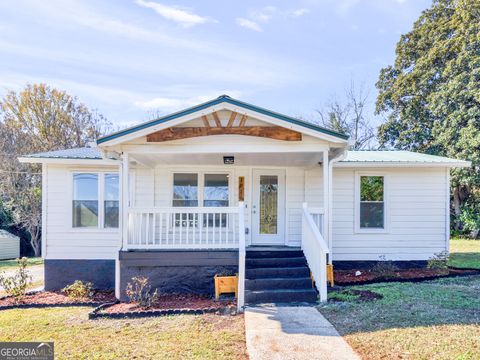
<point x="132" y="58"/>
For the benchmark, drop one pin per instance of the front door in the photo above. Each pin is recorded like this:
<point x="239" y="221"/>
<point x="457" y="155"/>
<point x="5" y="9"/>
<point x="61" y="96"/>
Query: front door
<point x="268" y="207"/>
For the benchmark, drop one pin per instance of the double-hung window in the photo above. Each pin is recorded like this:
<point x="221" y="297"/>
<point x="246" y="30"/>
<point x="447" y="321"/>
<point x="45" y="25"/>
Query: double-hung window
<point x="371" y="214"/>
<point x="95" y="200"/>
<point x="201" y="189"/>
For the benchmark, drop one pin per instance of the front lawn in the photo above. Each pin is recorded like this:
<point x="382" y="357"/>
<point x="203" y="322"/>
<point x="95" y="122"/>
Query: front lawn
<point x="12" y="264"/>
<point x="464" y="253"/>
<point x="437" y="319"/>
<point x="173" y="337"/>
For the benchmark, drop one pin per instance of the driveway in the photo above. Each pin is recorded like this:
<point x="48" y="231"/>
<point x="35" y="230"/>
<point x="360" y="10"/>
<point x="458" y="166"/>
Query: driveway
<point x="37" y="275"/>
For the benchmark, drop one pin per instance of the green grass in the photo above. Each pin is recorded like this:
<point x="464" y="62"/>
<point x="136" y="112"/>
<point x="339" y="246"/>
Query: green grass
<point x="174" y="337"/>
<point x="429" y="320"/>
<point x="12" y="264"/>
<point x="464" y="253"/>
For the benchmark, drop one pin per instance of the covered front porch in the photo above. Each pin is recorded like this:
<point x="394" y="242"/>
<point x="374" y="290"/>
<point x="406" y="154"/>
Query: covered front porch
<point x="226" y="202"/>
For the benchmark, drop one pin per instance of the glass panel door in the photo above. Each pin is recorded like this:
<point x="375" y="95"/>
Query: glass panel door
<point x="268" y="207"/>
<point x="268" y="210"/>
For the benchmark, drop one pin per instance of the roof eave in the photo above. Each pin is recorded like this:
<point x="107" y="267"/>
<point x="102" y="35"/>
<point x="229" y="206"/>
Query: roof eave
<point x="386" y="164"/>
<point x="68" y="161"/>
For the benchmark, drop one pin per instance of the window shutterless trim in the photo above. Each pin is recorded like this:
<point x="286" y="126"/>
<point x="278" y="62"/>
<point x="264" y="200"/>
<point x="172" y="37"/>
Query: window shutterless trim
<point x="386" y="218"/>
<point x="101" y="202"/>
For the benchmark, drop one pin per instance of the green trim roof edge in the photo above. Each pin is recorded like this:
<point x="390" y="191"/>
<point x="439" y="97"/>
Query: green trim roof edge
<point x="220" y="99"/>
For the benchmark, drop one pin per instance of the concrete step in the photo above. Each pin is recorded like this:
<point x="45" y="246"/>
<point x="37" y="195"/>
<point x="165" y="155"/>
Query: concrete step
<point x="278" y="283"/>
<point x="275" y="262"/>
<point x="251" y="254"/>
<point x="277" y="272"/>
<point x="280" y="296"/>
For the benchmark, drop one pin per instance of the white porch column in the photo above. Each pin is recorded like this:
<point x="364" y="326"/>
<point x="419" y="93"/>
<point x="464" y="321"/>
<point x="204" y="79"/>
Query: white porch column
<point x="124" y="205"/>
<point x="125" y="198"/>
<point x="326" y="201"/>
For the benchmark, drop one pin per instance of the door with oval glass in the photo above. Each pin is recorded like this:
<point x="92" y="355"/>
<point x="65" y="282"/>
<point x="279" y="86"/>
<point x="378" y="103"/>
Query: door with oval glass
<point x="268" y="207"/>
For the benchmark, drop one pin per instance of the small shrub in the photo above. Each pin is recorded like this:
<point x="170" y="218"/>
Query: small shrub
<point x="140" y="291"/>
<point x="79" y="290"/>
<point x="470" y="217"/>
<point x="16" y="285"/>
<point x="384" y="268"/>
<point x="439" y="261"/>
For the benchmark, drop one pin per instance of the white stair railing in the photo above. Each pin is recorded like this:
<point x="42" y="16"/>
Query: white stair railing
<point x="315" y="248"/>
<point x="241" y="257"/>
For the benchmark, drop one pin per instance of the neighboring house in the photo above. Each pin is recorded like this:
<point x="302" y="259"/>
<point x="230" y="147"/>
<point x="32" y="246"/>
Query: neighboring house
<point x="176" y="198"/>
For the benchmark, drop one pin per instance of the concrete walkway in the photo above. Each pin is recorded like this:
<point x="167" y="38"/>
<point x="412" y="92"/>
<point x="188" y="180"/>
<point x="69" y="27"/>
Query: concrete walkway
<point x="293" y="333"/>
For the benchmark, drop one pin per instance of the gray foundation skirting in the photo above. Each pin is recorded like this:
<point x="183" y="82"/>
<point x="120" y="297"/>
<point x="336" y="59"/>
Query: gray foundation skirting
<point x="176" y="271"/>
<point x="60" y="273"/>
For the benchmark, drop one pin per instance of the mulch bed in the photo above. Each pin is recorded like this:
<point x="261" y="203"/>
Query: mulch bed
<point x="167" y="304"/>
<point x="348" y="277"/>
<point x="55" y="298"/>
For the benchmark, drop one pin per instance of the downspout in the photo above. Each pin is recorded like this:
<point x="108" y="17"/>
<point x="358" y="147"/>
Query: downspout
<point x="337" y="158"/>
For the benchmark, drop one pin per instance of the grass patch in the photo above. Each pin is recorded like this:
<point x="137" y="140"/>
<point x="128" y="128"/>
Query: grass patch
<point x="437" y="319"/>
<point x="12" y="264"/>
<point x="464" y="253"/>
<point x="173" y="337"/>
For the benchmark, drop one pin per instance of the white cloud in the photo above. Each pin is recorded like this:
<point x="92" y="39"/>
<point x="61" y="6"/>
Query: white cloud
<point x="182" y="16"/>
<point x="300" y="12"/>
<point x="171" y="103"/>
<point x="249" y="24"/>
<point x="267" y="13"/>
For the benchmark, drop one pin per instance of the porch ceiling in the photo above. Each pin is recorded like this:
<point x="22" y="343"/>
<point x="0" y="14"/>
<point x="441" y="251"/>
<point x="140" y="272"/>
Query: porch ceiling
<point x="241" y="159"/>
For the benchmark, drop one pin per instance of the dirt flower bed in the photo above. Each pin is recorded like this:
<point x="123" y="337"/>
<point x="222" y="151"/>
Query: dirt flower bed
<point x="343" y="277"/>
<point x="56" y="298"/>
<point x="173" y="301"/>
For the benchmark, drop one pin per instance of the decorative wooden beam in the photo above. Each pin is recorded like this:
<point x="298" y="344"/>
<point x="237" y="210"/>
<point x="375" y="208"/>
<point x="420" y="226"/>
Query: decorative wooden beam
<point x="232" y="119"/>
<point x="217" y="120"/>
<point x="243" y="120"/>
<point x="205" y="121"/>
<point x="272" y="132"/>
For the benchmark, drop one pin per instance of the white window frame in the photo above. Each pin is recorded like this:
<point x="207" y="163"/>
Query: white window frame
<point x="101" y="197"/>
<point x="386" y="225"/>
<point x="201" y="183"/>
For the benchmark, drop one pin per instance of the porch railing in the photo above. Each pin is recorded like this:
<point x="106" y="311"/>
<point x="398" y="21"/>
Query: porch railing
<point x="183" y="228"/>
<point x="315" y="247"/>
<point x="190" y="228"/>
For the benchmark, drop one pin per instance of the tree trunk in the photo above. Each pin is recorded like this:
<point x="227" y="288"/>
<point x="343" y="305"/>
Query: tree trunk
<point x="456" y="206"/>
<point x="35" y="241"/>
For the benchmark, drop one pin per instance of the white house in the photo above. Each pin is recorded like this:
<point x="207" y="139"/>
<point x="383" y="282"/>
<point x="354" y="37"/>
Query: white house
<point x="193" y="193"/>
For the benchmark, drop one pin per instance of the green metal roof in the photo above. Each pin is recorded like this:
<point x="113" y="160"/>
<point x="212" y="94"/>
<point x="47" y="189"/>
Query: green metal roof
<point x="353" y="157"/>
<point x="397" y="156"/>
<point x="221" y="99"/>
<point x="76" y="153"/>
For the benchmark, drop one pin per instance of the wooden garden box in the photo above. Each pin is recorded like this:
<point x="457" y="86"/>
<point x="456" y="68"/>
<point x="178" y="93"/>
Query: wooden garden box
<point x="226" y="284"/>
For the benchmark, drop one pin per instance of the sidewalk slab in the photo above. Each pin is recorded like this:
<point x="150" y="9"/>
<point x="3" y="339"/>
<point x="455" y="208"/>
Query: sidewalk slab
<point x="291" y="332"/>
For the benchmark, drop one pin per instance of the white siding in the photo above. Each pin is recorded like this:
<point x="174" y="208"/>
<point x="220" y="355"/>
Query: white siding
<point x="416" y="201"/>
<point x="63" y="241"/>
<point x="416" y="216"/>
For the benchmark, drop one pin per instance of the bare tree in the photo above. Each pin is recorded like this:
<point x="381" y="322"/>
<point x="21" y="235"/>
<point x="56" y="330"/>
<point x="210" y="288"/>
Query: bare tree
<point x="349" y="117"/>
<point x="37" y="119"/>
